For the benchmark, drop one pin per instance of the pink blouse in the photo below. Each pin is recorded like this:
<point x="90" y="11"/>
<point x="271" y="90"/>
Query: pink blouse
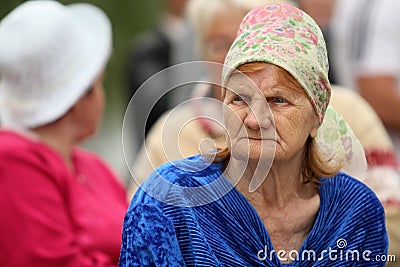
<point x="51" y="216"/>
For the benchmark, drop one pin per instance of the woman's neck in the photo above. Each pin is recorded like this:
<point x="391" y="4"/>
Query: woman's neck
<point x="286" y="205"/>
<point x="277" y="186"/>
<point x="59" y="139"/>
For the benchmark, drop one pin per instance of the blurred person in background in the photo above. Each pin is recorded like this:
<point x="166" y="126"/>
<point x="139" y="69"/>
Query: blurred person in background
<point x="383" y="165"/>
<point x="168" y="43"/>
<point x="321" y="12"/>
<point x="370" y="130"/>
<point x="366" y="57"/>
<point x="60" y="205"/>
<point x="186" y="131"/>
<point x="346" y="25"/>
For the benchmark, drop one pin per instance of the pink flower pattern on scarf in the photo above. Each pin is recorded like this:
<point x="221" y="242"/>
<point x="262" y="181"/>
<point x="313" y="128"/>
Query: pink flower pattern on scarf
<point x="285" y="36"/>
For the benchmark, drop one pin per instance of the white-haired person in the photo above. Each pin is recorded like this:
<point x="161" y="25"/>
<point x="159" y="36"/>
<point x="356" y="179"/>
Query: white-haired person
<point x="60" y="205"/>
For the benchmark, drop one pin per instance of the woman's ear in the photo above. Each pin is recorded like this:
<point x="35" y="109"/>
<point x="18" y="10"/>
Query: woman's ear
<point x="314" y="132"/>
<point x="82" y="100"/>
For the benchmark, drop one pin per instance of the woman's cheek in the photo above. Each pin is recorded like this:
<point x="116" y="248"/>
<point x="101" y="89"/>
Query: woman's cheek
<point x="233" y="120"/>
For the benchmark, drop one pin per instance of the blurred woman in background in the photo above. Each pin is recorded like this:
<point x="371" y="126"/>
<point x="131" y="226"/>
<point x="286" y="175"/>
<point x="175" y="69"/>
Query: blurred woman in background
<point x="64" y="206"/>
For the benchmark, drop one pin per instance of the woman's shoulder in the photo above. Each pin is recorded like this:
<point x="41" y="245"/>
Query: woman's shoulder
<point x="351" y="212"/>
<point x="349" y="193"/>
<point x="350" y="216"/>
<point x="24" y="159"/>
<point x="20" y="147"/>
<point x="85" y="156"/>
<point x="191" y="171"/>
<point x="179" y="182"/>
<point x="346" y="184"/>
<point x="342" y="179"/>
<point x="13" y="142"/>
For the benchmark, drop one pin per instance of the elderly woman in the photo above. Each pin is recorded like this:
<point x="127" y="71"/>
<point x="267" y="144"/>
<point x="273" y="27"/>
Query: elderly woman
<point x="215" y="25"/>
<point x="60" y="205"/>
<point x="275" y="195"/>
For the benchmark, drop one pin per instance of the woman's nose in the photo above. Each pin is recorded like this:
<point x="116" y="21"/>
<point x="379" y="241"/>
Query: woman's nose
<point x="258" y="116"/>
<point x="251" y="121"/>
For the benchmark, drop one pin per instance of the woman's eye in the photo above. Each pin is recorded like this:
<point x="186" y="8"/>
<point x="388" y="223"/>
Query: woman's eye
<point x="279" y="100"/>
<point x="238" y="99"/>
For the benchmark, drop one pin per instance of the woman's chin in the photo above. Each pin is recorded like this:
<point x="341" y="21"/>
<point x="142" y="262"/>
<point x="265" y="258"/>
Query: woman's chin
<point x="253" y="154"/>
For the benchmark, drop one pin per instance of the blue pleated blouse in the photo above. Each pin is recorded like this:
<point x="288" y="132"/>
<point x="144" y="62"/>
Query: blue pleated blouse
<point x="163" y="227"/>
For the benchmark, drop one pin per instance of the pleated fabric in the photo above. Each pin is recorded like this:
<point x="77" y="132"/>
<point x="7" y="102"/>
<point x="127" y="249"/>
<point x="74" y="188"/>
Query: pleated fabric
<point x="163" y="228"/>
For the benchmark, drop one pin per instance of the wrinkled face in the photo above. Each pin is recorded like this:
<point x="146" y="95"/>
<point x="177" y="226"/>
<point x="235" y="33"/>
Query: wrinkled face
<point x="263" y="115"/>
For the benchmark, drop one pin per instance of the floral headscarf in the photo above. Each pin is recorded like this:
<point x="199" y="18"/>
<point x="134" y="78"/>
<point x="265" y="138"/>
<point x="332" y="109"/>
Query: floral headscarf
<point x="286" y="36"/>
